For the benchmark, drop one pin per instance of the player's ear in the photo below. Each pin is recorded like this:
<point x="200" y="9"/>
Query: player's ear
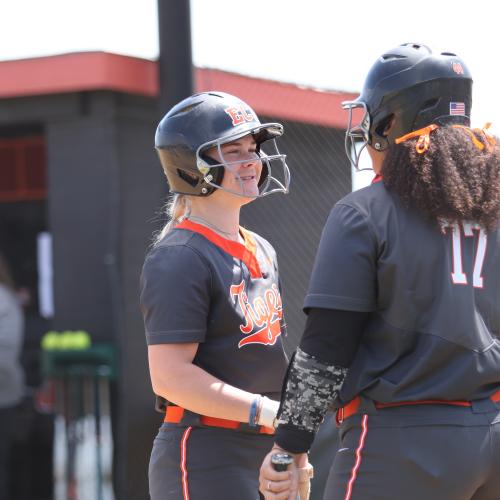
<point x="385" y="125"/>
<point x="388" y="126"/>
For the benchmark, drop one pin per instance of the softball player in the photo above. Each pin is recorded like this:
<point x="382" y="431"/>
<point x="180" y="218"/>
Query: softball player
<point x="211" y="301"/>
<point x="402" y="336"/>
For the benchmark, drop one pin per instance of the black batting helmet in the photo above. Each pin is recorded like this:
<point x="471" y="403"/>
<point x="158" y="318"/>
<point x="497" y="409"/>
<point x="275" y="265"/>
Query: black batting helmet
<point x="204" y="121"/>
<point x="412" y="87"/>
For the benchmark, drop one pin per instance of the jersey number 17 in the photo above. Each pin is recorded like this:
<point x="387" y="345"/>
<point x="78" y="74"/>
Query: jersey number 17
<point x="458" y="275"/>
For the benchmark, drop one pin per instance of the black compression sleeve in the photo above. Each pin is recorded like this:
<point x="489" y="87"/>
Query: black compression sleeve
<point x="293" y="439"/>
<point x="332" y="335"/>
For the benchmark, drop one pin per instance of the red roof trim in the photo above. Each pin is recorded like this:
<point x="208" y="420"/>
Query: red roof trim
<point x="78" y="72"/>
<point x="87" y="71"/>
<point x="283" y="100"/>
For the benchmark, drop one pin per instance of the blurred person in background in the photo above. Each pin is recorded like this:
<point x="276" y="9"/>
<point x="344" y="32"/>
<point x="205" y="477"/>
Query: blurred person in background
<point x="11" y="372"/>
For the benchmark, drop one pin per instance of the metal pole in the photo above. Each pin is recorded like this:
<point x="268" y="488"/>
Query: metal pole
<point x="175" y="64"/>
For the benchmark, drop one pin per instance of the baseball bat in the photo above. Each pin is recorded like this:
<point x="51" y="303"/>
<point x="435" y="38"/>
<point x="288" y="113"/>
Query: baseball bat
<point x="106" y="438"/>
<point x="86" y="473"/>
<point x="59" y="446"/>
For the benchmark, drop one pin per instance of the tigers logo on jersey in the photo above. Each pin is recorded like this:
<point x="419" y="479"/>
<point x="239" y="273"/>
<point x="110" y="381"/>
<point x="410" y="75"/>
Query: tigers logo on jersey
<point x="263" y="314"/>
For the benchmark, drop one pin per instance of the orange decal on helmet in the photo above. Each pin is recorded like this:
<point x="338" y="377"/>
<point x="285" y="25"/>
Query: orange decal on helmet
<point x="240" y="115"/>
<point x="457" y="68"/>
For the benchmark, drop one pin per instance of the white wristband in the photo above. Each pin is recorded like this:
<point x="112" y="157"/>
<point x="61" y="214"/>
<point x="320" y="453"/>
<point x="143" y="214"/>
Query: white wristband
<point x="268" y="412"/>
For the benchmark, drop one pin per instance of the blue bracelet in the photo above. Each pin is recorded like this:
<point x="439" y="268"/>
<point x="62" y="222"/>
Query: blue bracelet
<point x="253" y="412"/>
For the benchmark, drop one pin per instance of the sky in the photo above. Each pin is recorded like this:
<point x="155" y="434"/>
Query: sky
<point x="327" y="44"/>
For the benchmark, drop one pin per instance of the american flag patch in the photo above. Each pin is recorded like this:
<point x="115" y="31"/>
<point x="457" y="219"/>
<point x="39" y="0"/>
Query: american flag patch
<point x="457" y="108"/>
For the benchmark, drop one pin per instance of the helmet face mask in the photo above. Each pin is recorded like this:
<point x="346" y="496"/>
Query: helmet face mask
<point x="408" y="87"/>
<point x="358" y="131"/>
<point x="214" y="171"/>
<point x="211" y="120"/>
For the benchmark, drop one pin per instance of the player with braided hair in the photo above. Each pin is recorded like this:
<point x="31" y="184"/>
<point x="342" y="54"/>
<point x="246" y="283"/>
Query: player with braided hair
<point x="403" y="330"/>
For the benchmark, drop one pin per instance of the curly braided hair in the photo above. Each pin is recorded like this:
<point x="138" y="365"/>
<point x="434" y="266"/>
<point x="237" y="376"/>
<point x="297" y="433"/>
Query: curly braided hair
<point x="454" y="179"/>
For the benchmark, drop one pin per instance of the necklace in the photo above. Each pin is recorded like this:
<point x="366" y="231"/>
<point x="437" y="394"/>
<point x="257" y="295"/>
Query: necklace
<point x="227" y="234"/>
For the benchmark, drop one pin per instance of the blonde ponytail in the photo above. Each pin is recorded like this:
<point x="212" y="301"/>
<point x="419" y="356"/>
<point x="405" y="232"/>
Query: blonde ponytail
<point x="177" y="209"/>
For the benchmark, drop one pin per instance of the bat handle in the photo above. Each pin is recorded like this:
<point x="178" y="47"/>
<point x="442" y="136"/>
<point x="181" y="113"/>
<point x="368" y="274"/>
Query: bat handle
<point x="281" y="461"/>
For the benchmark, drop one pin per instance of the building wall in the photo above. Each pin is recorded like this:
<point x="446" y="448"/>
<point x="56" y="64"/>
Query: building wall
<point x="104" y="187"/>
<point x="142" y="193"/>
<point x="82" y="158"/>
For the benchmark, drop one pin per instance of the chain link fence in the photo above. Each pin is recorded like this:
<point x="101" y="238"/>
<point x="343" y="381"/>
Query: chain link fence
<point x="320" y="176"/>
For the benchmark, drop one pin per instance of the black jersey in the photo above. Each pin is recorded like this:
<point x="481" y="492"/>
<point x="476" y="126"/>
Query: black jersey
<point x="199" y="287"/>
<point x="433" y="294"/>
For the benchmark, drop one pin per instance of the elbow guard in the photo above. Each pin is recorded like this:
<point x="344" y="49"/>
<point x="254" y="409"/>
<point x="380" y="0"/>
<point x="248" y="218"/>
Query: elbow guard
<point x="310" y="388"/>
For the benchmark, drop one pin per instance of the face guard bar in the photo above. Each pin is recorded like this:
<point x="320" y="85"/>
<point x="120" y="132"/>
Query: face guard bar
<point x="357" y="134"/>
<point x="278" y="183"/>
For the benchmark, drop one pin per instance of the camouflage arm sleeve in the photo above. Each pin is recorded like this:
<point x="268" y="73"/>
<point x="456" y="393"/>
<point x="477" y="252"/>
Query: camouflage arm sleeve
<point x="310" y="388"/>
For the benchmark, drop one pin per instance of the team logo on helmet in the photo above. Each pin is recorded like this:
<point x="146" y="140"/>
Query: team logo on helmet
<point x="457" y="68"/>
<point x="262" y="316"/>
<point x="240" y="115"/>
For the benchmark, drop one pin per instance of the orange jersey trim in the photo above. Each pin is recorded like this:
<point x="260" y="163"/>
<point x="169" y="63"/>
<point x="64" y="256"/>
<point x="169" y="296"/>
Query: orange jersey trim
<point x="246" y="253"/>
